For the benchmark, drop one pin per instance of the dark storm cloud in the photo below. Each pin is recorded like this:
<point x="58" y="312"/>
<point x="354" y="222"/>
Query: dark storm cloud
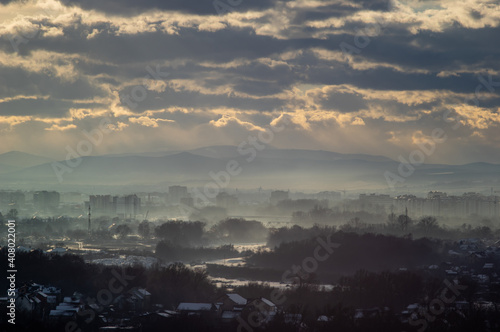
<point x="223" y="68"/>
<point x="192" y="99"/>
<point x="220" y="46"/>
<point x="390" y="79"/>
<point x="15" y="81"/>
<point x="127" y="55"/>
<point x="6" y="2"/>
<point x="338" y="10"/>
<point x="204" y="7"/>
<point x="200" y="7"/>
<point x="432" y="51"/>
<point x="257" y="88"/>
<point x="345" y="102"/>
<point x="186" y="120"/>
<point x="45" y="108"/>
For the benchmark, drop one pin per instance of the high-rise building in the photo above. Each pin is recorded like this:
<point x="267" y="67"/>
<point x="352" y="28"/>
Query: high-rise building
<point x="12" y="200"/>
<point x="175" y="193"/>
<point x="46" y="199"/>
<point x="102" y="204"/>
<point x="278" y="196"/>
<point x="226" y="200"/>
<point x="127" y="206"/>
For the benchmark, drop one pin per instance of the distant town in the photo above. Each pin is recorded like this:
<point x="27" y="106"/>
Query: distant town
<point x="250" y="166"/>
<point x="161" y="204"/>
<point x="252" y="260"/>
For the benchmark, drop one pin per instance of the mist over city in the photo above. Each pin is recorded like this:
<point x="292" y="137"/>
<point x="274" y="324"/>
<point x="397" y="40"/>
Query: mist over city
<point x="249" y="166"/>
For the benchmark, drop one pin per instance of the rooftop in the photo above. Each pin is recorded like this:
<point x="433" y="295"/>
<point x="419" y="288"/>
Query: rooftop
<point x="238" y="299"/>
<point x="185" y="306"/>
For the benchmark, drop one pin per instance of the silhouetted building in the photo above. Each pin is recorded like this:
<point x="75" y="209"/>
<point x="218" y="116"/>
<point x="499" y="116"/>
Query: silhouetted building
<point x="197" y="309"/>
<point x="102" y="204"/>
<point x="127" y="205"/>
<point x="175" y="193"/>
<point x="71" y="198"/>
<point x="278" y="196"/>
<point x="154" y="199"/>
<point x="436" y="195"/>
<point x="189" y="201"/>
<point x="231" y="302"/>
<point x="441" y="204"/>
<point x="330" y="196"/>
<point x="376" y="203"/>
<point x="226" y="200"/>
<point x="46" y="199"/>
<point x="12" y="200"/>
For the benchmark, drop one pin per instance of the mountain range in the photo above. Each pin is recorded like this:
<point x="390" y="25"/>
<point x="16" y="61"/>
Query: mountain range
<point x="272" y="168"/>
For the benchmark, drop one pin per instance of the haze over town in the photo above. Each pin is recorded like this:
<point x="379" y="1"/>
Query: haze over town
<point x="250" y="165"/>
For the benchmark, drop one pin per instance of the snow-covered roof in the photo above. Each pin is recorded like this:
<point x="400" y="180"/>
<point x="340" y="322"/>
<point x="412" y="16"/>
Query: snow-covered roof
<point x="238" y="299"/>
<point x="58" y="313"/>
<point x="269" y="303"/>
<point x="194" y="306"/>
<point x="66" y="308"/>
<point x="143" y="292"/>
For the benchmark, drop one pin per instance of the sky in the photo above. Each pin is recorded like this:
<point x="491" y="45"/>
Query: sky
<point x="365" y="76"/>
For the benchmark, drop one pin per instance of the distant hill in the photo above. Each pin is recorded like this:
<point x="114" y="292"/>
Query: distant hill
<point x="19" y="159"/>
<point x="7" y="168"/>
<point x="227" y="151"/>
<point x="294" y="169"/>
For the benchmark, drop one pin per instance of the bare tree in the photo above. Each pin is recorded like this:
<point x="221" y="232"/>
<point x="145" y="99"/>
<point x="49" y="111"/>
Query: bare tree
<point x="144" y="229"/>
<point x="404" y="221"/>
<point x="427" y="224"/>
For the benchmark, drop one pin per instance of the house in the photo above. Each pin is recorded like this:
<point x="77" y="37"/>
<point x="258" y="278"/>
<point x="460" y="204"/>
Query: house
<point x="230" y="306"/>
<point x="144" y="298"/>
<point x="65" y="311"/>
<point x="231" y="302"/>
<point x="488" y="267"/>
<point x="196" y="308"/>
<point x="263" y="304"/>
<point x="154" y="318"/>
<point x="462" y="305"/>
<point x="137" y="300"/>
<point x="37" y="300"/>
<point x="265" y="307"/>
